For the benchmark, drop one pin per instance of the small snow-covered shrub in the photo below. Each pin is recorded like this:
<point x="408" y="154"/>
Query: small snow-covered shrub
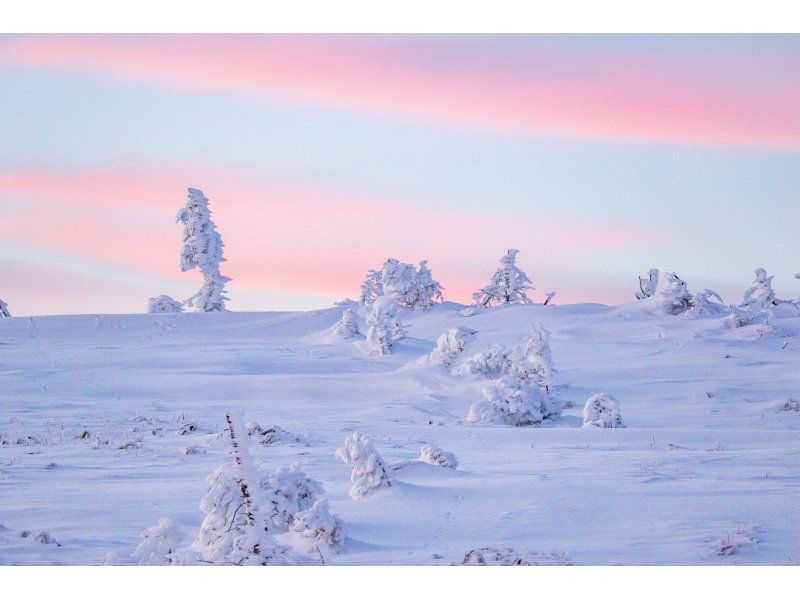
<point x="602" y="411"/>
<point x="348" y="326"/>
<point x="673" y="295"/>
<point x="492" y="363"/>
<point x="289" y="491"/>
<point x="436" y="456"/>
<point x="368" y="468"/>
<point x="513" y="403"/>
<point x="158" y="545"/>
<point x="737" y="318"/>
<point x="511" y="557"/>
<point x="537" y="352"/>
<point x="451" y="345"/>
<point x="647" y="286"/>
<point x="4" y="311"/>
<point x="508" y="285"/>
<point x="269" y="435"/>
<point x="706" y="304"/>
<point x="163" y="304"/>
<point x="319" y="523"/>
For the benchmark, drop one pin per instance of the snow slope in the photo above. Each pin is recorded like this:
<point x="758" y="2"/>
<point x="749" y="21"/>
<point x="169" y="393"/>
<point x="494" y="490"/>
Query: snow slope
<point x="709" y="452"/>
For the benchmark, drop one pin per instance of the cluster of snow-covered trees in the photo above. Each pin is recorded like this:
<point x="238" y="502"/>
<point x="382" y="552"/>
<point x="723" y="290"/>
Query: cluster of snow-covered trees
<point x="670" y="295"/>
<point x="243" y="511"/>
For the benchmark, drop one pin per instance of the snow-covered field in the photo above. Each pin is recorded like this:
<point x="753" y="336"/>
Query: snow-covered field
<point x="709" y="457"/>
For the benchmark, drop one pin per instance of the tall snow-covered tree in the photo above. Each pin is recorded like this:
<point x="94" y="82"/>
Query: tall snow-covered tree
<point x="4" y="312"/>
<point x="202" y="249"/>
<point x="537" y="352"/>
<point x="508" y="285"/>
<point x="759" y="295"/>
<point x="648" y="285"/>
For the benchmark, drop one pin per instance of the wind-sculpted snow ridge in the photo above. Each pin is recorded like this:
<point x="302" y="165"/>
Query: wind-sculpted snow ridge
<point x="705" y="470"/>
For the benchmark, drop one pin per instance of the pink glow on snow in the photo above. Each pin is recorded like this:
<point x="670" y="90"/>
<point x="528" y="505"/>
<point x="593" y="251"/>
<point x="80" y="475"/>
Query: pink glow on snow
<point x="610" y="97"/>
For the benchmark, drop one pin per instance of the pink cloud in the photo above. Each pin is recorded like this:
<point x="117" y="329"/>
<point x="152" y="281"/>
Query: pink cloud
<point x="589" y="95"/>
<point x="281" y="237"/>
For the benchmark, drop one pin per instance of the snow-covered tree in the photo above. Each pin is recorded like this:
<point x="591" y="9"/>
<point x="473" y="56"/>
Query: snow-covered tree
<point x="492" y="363"/>
<point x="289" y="491"/>
<point x="759" y="295"/>
<point x="508" y="285"/>
<point x="512" y="402"/>
<point x="4" y="312"/>
<point x="319" y="523"/>
<point x="673" y="295"/>
<point x="410" y="288"/>
<point x="383" y="327"/>
<point x="163" y="304"/>
<point x="436" y="456"/>
<point x="601" y="411"/>
<point x="738" y="317"/>
<point x="648" y="285"/>
<point x="371" y="288"/>
<point x="705" y="304"/>
<point x="450" y="346"/>
<point x="158" y="545"/>
<point x="427" y="291"/>
<point x="537" y="352"/>
<point x="348" y="326"/>
<point x="236" y="527"/>
<point x="368" y="469"/>
<point x="202" y="249"/>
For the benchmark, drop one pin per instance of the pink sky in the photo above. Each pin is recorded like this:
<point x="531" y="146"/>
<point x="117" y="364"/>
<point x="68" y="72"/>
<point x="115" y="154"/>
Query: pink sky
<point x="600" y="94"/>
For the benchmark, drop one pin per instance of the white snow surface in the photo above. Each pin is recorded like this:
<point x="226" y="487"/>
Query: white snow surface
<point x="711" y="447"/>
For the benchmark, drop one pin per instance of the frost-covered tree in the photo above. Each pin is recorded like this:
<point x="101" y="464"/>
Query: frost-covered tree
<point x="158" y="545"/>
<point x="673" y="295"/>
<point x="738" y="317"/>
<point x="601" y="411"/>
<point x="410" y="288"/>
<point x="368" y="469"/>
<point x="4" y="312"/>
<point x="492" y="363"/>
<point x="427" y="291"/>
<point x="537" y="352"/>
<point x="371" y="288"/>
<point x="759" y="295"/>
<point x="510" y="401"/>
<point x="508" y="285"/>
<point x="202" y="249"/>
<point x="450" y="346"/>
<point x="706" y="304"/>
<point x="436" y="456"/>
<point x="382" y="333"/>
<point x="163" y="304"/>
<point x="348" y="326"/>
<point x="317" y="522"/>
<point x="648" y="285"/>
<point x="236" y="527"/>
<point x="289" y="491"/>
